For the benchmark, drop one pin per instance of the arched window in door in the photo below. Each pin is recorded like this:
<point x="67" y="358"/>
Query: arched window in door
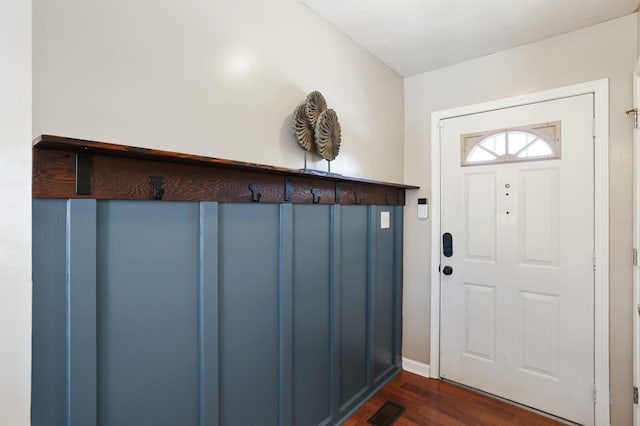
<point x="528" y="143"/>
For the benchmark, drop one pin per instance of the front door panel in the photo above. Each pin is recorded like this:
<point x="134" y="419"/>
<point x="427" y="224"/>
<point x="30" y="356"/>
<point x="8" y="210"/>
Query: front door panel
<point x="517" y="308"/>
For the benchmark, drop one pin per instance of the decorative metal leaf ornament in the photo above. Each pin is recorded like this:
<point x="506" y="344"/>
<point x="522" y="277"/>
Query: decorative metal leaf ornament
<point x="315" y="105"/>
<point x="303" y="129"/>
<point x="328" y="135"/>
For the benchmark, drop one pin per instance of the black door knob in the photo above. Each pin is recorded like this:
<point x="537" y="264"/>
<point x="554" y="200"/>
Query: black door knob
<point x="447" y="270"/>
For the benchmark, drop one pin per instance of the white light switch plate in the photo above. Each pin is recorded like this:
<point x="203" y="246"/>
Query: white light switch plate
<point x="385" y="221"/>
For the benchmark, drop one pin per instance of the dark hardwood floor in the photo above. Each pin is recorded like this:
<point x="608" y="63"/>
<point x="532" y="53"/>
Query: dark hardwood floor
<point x="434" y="402"/>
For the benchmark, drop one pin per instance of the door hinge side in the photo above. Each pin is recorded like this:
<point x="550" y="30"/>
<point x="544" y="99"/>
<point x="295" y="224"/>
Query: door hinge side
<point x="635" y="394"/>
<point x="595" y="393"/>
<point x="594" y="261"/>
<point x="594" y="127"/>
<point x="635" y="257"/>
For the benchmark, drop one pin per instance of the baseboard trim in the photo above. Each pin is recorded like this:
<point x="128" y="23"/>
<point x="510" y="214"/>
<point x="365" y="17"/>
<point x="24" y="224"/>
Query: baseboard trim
<point x="416" y="367"/>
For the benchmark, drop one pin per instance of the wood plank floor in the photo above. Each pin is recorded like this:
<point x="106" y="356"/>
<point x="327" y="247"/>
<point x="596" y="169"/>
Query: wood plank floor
<point x="434" y="402"/>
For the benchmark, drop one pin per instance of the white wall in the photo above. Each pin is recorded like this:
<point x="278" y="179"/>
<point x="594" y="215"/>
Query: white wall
<point x="15" y="212"/>
<point x="603" y="51"/>
<point x="213" y="78"/>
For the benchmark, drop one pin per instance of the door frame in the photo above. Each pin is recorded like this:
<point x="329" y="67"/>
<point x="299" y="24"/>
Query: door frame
<point x="636" y="243"/>
<point x="600" y="90"/>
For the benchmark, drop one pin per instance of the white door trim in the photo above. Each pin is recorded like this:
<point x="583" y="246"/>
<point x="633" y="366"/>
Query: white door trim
<point x="600" y="90"/>
<point x="636" y="242"/>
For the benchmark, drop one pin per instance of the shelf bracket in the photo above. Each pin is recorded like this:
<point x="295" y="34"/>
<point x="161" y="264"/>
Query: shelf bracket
<point x="287" y="188"/>
<point x="84" y="170"/>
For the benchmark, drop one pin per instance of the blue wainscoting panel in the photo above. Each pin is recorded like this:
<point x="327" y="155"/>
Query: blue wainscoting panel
<point x="311" y="314"/>
<point x="353" y="303"/>
<point x="249" y="318"/>
<point x="206" y="314"/>
<point x="81" y="312"/>
<point x="49" y="366"/>
<point x="384" y="294"/>
<point x="148" y="287"/>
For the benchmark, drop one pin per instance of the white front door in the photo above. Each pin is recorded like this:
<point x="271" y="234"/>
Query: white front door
<point x="517" y="294"/>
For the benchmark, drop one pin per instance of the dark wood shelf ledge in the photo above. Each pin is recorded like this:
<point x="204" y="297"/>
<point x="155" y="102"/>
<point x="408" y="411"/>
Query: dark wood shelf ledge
<point x="75" y="168"/>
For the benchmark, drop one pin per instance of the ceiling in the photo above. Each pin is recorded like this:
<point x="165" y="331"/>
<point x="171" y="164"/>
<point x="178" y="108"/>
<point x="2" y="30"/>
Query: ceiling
<point x="414" y="36"/>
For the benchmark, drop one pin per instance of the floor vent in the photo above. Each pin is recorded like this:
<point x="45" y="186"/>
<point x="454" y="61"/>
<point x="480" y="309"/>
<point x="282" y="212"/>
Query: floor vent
<point x="387" y="414"/>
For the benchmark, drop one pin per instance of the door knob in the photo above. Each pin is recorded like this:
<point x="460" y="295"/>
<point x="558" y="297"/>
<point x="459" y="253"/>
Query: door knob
<point x="447" y="270"/>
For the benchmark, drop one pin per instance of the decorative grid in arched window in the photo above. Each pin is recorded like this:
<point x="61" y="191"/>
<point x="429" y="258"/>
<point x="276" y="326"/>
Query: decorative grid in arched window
<point x="527" y="143"/>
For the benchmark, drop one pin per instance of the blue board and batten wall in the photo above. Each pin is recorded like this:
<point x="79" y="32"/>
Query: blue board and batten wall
<point x="204" y="313"/>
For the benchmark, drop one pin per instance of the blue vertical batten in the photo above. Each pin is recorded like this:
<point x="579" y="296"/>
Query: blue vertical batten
<point x="335" y="307"/>
<point x="81" y="312"/>
<point x="49" y="360"/>
<point x="285" y="266"/>
<point x="208" y="314"/>
<point x="372" y="224"/>
<point x="398" y="226"/>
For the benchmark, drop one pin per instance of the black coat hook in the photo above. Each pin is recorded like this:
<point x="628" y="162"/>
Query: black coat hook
<point x="157" y="182"/>
<point x="255" y="196"/>
<point x="316" y="195"/>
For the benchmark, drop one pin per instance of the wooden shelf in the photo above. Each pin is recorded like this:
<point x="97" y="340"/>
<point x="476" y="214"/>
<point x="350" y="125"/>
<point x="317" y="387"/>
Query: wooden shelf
<point x="74" y="168"/>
